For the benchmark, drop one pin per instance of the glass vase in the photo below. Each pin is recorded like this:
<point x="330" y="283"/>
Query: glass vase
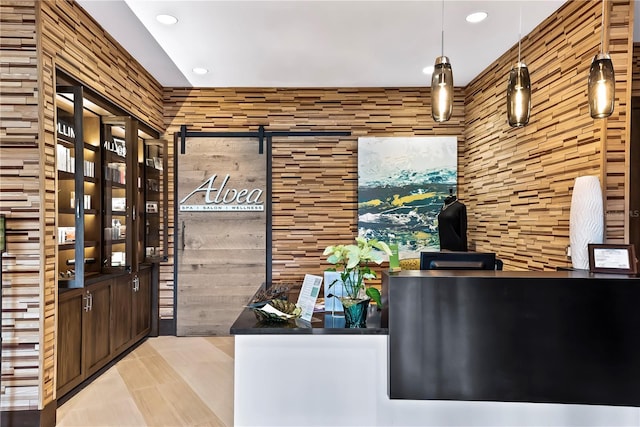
<point x="355" y="312"/>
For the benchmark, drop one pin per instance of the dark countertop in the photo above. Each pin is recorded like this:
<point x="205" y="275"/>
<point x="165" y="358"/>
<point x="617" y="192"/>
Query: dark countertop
<point x="566" y="274"/>
<point x="90" y="279"/>
<point x="321" y="324"/>
<point x="328" y="324"/>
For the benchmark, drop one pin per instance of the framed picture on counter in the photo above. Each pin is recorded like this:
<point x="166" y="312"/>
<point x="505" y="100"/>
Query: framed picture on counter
<point x="618" y="259"/>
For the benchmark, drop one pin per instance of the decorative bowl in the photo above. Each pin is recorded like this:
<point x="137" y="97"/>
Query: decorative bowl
<point x="284" y="310"/>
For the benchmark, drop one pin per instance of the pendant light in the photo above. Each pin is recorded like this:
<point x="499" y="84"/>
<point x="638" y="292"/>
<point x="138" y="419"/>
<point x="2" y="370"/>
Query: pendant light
<point x="519" y="90"/>
<point x="602" y="81"/>
<point x="442" y="84"/>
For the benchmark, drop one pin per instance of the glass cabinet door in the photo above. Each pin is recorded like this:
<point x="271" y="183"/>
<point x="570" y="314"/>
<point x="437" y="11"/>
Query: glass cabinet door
<point x="155" y="197"/>
<point x="70" y="232"/>
<point x="119" y="208"/>
<point x="78" y="187"/>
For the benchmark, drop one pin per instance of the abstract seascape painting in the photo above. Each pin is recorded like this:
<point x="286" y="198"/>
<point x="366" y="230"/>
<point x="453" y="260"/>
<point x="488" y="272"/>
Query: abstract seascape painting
<point x="402" y="184"/>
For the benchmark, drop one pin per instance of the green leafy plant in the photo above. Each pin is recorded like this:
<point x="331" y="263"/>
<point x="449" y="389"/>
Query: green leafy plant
<point x="354" y="260"/>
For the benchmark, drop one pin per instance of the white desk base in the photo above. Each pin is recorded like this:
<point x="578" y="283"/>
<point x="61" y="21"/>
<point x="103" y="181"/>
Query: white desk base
<point x="341" y="380"/>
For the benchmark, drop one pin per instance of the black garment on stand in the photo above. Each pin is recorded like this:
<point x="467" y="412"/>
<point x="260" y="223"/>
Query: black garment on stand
<point x="452" y="225"/>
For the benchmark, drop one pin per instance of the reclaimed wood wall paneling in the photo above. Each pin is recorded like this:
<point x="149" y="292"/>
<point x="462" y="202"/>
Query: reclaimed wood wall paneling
<point x="636" y="68"/>
<point x="21" y="166"/>
<point x="315" y="179"/>
<point x="21" y="202"/>
<point x="35" y="38"/>
<point x="518" y="182"/>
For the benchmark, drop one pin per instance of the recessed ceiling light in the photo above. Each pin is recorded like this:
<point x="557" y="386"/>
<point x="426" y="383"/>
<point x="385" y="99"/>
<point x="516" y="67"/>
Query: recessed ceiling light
<point x="200" y="70"/>
<point x="476" y="17"/>
<point x="428" y="70"/>
<point x="167" y="19"/>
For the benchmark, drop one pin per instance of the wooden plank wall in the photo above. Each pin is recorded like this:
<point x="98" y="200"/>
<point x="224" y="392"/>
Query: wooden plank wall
<point x="315" y="179"/>
<point x="636" y="66"/>
<point x="507" y="172"/>
<point x="37" y="37"/>
<point x="518" y="182"/>
<point x="618" y="126"/>
<point x="21" y="202"/>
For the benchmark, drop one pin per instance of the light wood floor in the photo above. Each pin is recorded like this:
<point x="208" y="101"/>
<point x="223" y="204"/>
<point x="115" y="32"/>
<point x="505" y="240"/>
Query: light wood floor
<point x="166" y="381"/>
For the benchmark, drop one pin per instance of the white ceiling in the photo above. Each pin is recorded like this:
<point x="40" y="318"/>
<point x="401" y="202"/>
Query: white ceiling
<point x="307" y="43"/>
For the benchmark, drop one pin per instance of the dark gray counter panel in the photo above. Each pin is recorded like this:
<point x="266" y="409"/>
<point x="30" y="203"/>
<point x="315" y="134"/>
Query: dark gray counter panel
<point x="564" y="337"/>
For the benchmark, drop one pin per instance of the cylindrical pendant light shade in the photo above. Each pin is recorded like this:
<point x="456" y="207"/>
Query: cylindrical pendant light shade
<point x="586" y="219"/>
<point x="601" y="86"/>
<point x="442" y="90"/>
<point x="519" y="96"/>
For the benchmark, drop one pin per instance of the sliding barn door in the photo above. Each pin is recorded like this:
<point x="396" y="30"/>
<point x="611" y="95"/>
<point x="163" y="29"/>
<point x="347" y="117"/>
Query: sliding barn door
<point x="221" y="232"/>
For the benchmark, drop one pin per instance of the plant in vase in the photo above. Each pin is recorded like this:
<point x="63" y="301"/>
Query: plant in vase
<point x="354" y="260"/>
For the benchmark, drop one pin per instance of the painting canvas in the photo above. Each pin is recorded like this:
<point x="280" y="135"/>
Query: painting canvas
<point x="402" y="184"/>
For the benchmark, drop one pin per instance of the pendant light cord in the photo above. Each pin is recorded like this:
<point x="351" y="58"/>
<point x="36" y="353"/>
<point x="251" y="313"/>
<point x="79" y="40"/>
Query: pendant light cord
<point x="442" y="28"/>
<point x="602" y="30"/>
<point x="519" y="34"/>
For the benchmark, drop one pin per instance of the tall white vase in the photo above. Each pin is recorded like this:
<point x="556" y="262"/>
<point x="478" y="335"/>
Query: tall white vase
<point x="586" y="222"/>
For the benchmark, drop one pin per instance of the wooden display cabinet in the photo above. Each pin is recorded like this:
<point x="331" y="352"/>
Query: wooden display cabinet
<point x="104" y="304"/>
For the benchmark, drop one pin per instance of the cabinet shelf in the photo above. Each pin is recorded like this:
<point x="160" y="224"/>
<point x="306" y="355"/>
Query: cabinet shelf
<point x="115" y="241"/>
<point x="69" y="142"/>
<point x="71" y="176"/>
<point x="70" y="282"/>
<point x="91" y="147"/>
<point x="66" y="175"/>
<point x="71" y="245"/>
<point x="66" y="141"/>
<point x="71" y="211"/>
<point x="118" y="213"/>
<point x="116" y="184"/>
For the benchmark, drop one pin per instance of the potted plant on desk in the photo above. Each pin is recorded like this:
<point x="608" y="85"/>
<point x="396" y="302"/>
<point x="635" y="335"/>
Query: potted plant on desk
<point x="354" y="261"/>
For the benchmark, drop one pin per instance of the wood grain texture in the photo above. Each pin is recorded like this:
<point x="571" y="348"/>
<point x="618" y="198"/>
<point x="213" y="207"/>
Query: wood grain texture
<point x="72" y="41"/>
<point x="26" y="306"/>
<point x="517" y="182"/>
<point x="223" y="254"/>
<point x="35" y="38"/>
<point x="636" y="66"/>
<point x="166" y="381"/>
<point x="314" y="179"/>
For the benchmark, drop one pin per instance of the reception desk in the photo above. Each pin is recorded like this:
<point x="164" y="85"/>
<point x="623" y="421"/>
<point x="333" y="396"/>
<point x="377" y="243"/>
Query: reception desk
<point x="320" y="374"/>
<point x="560" y="337"/>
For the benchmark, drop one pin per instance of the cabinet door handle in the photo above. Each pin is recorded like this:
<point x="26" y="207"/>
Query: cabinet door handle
<point x="85" y="300"/>
<point x="183" y="227"/>
<point x="90" y="301"/>
<point x="136" y="284"/>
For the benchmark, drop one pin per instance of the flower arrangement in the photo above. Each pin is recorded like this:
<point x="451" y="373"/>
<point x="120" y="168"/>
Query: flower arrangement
<point x="354" y="261"/>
